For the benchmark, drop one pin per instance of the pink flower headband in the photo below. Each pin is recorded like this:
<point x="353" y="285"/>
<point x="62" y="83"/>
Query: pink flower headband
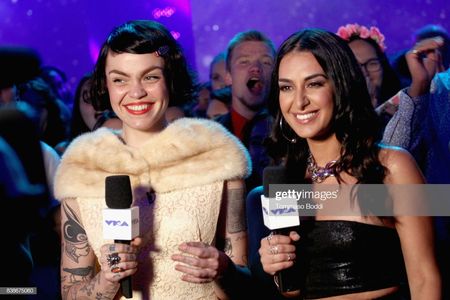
<point x="355" y="30"/>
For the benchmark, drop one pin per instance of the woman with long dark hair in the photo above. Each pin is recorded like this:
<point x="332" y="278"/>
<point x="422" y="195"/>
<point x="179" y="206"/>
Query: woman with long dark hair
<point x="326" y="134"/>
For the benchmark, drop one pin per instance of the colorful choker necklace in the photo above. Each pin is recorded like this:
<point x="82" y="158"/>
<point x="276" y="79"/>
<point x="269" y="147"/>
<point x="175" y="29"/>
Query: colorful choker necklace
<point x="319" y="174"/>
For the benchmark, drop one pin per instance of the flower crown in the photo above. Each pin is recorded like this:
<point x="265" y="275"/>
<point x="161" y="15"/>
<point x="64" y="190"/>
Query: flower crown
<point x="355" y="30"/>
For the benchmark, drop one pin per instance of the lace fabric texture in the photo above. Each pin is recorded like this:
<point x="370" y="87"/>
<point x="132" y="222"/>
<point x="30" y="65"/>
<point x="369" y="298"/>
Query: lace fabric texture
<point x="184" y="215"/>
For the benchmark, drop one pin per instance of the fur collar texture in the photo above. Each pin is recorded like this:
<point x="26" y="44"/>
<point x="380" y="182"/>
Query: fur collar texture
<point x="188" y="153"/>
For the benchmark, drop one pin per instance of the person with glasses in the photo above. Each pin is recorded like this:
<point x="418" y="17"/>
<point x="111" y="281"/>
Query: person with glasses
<point x="371" y="66"/>
<point x="368" y="46"/>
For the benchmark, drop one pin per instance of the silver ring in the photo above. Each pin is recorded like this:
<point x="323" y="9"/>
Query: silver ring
<point x="113" y="259"/>
<point x="273" y="250"/>
<point x="415" y="51"/>
<point x="269" y="237"/>
<point x="289" y="257"/>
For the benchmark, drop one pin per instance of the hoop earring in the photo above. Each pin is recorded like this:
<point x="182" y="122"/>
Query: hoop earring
<point x="290" y="140"/>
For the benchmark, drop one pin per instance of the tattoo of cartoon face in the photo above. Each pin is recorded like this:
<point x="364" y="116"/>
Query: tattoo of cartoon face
<point x="235" y="211"/>
<point x="76" y="244"/>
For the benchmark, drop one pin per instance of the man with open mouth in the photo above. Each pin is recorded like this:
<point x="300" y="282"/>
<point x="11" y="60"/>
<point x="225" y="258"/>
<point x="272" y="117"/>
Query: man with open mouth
<point x="249" y="63"/>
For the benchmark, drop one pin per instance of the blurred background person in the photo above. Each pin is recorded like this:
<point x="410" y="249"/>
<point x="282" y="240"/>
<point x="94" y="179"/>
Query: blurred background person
<point x="19" y="64"/>
<point x="218" y="72"/>
<point x="368" y="46"/>
<point x="422" y="126"/>
<point x="60" y="86"/>
<point x="52" y="125"/>
<point x="219" y="103"/>
<point x="428" y="31"/>
<point x="84" y="117"/>
<point x="199" y="107"/>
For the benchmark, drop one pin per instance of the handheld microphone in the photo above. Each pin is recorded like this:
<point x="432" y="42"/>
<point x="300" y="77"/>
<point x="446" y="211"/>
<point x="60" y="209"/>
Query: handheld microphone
<point x="120" y="222"/>
<point x="281" y="217"/>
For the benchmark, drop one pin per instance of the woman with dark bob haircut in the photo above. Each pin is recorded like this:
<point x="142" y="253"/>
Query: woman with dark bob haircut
<point x="326" y="134"/>
<point x="179" y="181"/>
<point x="179" y="79"/>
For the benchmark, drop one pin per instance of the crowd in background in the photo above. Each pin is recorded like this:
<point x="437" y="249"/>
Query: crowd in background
<point x="409" y="93"/>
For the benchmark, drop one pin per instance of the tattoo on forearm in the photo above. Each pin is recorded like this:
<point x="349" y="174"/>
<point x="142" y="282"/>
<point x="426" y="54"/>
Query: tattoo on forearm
<point x="88" y="288"/>
<point x="76" y="244"/>
<point x="236" y="211"/>
<point x="228" y="248"/>
<point x="100" y="296"/>
<point x="83" y="289"/>
<point x="80" y="272"/>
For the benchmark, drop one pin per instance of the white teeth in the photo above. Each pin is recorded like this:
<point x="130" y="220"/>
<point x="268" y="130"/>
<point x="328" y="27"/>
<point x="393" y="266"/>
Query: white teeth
<point x="305" y="116"/>
<point x="138" y="107"/>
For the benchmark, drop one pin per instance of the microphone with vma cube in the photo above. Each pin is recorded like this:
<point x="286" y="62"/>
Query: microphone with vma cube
<point x="120" y="221"/>
<point x="281" y="216"/>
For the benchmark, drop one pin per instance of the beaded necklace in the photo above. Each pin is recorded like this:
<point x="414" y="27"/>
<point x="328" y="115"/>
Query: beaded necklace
<point x="319" y="174"/>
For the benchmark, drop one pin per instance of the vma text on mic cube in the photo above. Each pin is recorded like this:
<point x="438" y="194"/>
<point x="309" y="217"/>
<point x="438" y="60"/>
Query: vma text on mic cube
<point x="278" y="213"/>
<point x="121" y="224"/>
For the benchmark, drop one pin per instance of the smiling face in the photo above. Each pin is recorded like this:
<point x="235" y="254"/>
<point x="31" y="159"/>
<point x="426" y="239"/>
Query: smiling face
<point x="306" y="96"/>
<point x="250" y="70"/>
<point x="137" y="90"/>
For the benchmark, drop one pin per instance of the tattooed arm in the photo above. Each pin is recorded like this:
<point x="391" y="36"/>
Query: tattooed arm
<point x="232" y="230"/>
<point x="234" y="235"/>
<point x="78" y="278"/>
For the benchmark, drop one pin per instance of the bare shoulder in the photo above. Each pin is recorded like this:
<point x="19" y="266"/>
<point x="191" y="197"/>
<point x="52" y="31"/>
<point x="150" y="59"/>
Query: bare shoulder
<point x="394" y="156"/>
<point x="401" y="166"/>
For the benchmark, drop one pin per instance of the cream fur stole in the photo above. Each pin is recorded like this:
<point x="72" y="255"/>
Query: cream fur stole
<point x="188" y="153"/>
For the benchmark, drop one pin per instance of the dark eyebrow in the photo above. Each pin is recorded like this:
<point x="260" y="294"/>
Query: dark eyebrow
<point x="284" y="80"/>
<point x="306" y="78"/>
<point x="144" y="72"/>
<point x="316" y="75"/>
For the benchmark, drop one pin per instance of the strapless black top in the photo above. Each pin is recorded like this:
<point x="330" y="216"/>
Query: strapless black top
<point x="343" y="257"/>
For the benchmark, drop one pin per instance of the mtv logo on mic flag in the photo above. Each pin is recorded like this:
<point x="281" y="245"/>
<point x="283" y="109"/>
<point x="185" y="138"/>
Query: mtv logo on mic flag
<point x="278" y="215"/>
<point x="120" y="224"/>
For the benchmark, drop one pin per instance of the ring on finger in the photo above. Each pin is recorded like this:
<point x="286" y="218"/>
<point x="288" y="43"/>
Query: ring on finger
<point x="116" y="269"/>
<point x="415" y="51"/>
<point x="269" y="237"/>
<point x="288" y="257"/>
<point x="273" y="250"/>
<point x="113" y="259"/>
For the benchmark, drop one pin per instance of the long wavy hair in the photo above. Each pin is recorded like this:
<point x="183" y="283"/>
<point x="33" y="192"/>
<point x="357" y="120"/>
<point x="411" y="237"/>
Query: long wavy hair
<point x="354" y="123"/>
<point x="142" y="37"/>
